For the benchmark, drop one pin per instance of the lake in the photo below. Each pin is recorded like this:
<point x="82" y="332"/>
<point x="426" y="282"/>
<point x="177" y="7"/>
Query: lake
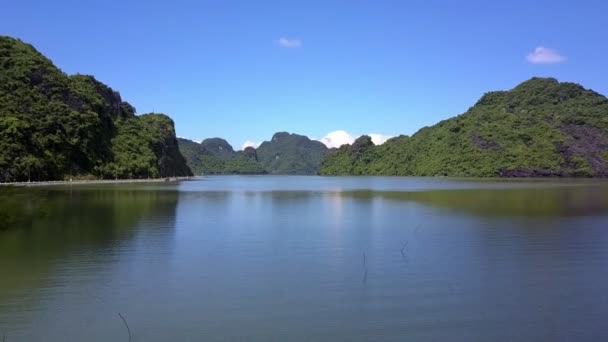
<point x="287" y="258"/>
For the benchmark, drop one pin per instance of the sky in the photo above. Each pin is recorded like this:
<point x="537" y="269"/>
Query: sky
<point x="332" y="70"/>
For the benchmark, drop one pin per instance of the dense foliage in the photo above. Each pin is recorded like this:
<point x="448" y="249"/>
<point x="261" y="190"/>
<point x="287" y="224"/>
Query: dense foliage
<point x="540" y="128"/>
<point x="215" y="157"/>
<point x="54" y="126"/>
<point x="284" y="154"/>
<point x="291" y="154"/>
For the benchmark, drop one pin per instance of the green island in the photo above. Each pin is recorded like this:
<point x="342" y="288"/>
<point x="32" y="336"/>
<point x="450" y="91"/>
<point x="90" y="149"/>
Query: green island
<point x="58" y="127"/>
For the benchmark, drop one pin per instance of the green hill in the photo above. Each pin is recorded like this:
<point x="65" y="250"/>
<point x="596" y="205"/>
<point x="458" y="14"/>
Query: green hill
<point x="540" y="128"/>
<point x="218" y="147"/>
<point x="54" y="126"/>
<point x="291" y="154"/>
<point x="284" y="154"/>
<point x="216" y="157"/>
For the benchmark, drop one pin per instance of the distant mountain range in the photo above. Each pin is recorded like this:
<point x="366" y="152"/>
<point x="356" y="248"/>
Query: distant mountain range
<point x="54" y="126"/>
<point x="284" y="154"/>
<point x="215" y="156"/>
<point x="540" y="128"/>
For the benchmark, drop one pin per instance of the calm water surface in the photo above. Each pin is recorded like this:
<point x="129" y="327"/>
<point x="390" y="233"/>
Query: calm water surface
<point x="306" y="259"/>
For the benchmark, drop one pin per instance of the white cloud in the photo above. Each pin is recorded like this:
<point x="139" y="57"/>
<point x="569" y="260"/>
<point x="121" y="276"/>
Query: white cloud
<point x="379" y="139"/>
<point x="196" y="141"/>
<point x="337" y="139"/>
<point x="340" y="137"/>
<point x="250" y="143"/>
<point x="543" y="55"/>
<point x="289" y="43"/>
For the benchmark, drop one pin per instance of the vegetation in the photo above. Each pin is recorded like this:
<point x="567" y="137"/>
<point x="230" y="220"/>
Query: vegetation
<point x="215" y="156"/>
<point x="284" y="154"/>
<point x="291" y="154"/>
<point x="540" y="128"/>
<point x="54" y="126"/>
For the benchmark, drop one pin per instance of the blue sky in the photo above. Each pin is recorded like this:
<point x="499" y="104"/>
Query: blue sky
<point x="243" y="70"/>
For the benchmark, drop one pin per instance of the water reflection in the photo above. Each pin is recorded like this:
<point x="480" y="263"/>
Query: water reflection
<point x="45" y="230"/>
<point x="525" y="202"/>
<point x="269" y="258"/>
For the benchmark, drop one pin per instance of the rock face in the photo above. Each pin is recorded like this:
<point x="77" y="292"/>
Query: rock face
<point x="540" y="128"/>
<point x="54" y="126"/>
<point x="587" y="144"/>
<point x="360" y="145"/>
<point x="170" y="161"/>
<point x="289" y="153"/>
<point x="250" y="153"/>
<point x="218" y="147"/>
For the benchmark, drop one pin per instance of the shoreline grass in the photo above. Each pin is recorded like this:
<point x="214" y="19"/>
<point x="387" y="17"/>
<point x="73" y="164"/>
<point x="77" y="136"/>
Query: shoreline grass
<point x="98" y="181"/>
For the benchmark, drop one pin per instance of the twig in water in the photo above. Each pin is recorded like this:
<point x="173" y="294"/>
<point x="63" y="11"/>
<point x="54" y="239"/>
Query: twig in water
<point x="3" y="337"/>
<point x="403" y="246"/>
<point x="416" y="230"/>
<point x="416" y="236"/>
<point x="364" y="267"/>
<point x="126" y="325"/>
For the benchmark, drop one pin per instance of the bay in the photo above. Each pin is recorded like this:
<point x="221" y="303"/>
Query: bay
<point x="277" y="258"/>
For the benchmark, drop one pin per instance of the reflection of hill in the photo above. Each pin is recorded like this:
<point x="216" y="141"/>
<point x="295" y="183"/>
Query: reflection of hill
<point x="41" y="226"/>
<point x="538" y="202"/>
<point x="534" y="201"/>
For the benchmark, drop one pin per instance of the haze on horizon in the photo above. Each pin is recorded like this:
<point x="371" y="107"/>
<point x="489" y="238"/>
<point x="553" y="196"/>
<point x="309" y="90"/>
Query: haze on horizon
<point x="332" y="71"/>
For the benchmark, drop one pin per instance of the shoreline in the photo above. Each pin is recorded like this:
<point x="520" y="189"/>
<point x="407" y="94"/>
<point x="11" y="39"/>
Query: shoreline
<point x="98" y="181"/>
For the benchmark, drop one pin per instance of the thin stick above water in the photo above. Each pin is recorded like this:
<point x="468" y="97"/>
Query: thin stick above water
<point x="403" y="245"/>
<point x="364" y="267"/>
<point x="126" y="325"/>
<point x="416" y="231"/>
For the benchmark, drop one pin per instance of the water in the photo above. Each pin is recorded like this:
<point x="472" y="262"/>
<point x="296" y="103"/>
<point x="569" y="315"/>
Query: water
<point x="306" y="259"/>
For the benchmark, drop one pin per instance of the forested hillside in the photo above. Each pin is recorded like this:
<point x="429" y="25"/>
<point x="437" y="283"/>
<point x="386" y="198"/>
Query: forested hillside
<point x="540" y="128"/>
<point x="289" y="153"/>
<point x="284" y="154"/>
<point x="54" y="126"/>
<point x="216" y="157"/>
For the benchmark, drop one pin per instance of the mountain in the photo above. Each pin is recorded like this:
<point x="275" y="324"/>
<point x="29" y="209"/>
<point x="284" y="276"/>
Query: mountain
<point x="218" y="147"/>
<point x="54" y="126"/>
<point x="291" y="154"/>
<point x="215" y="156"/>
<point x="540" y="128"/>
<point x="284" y="154"/>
